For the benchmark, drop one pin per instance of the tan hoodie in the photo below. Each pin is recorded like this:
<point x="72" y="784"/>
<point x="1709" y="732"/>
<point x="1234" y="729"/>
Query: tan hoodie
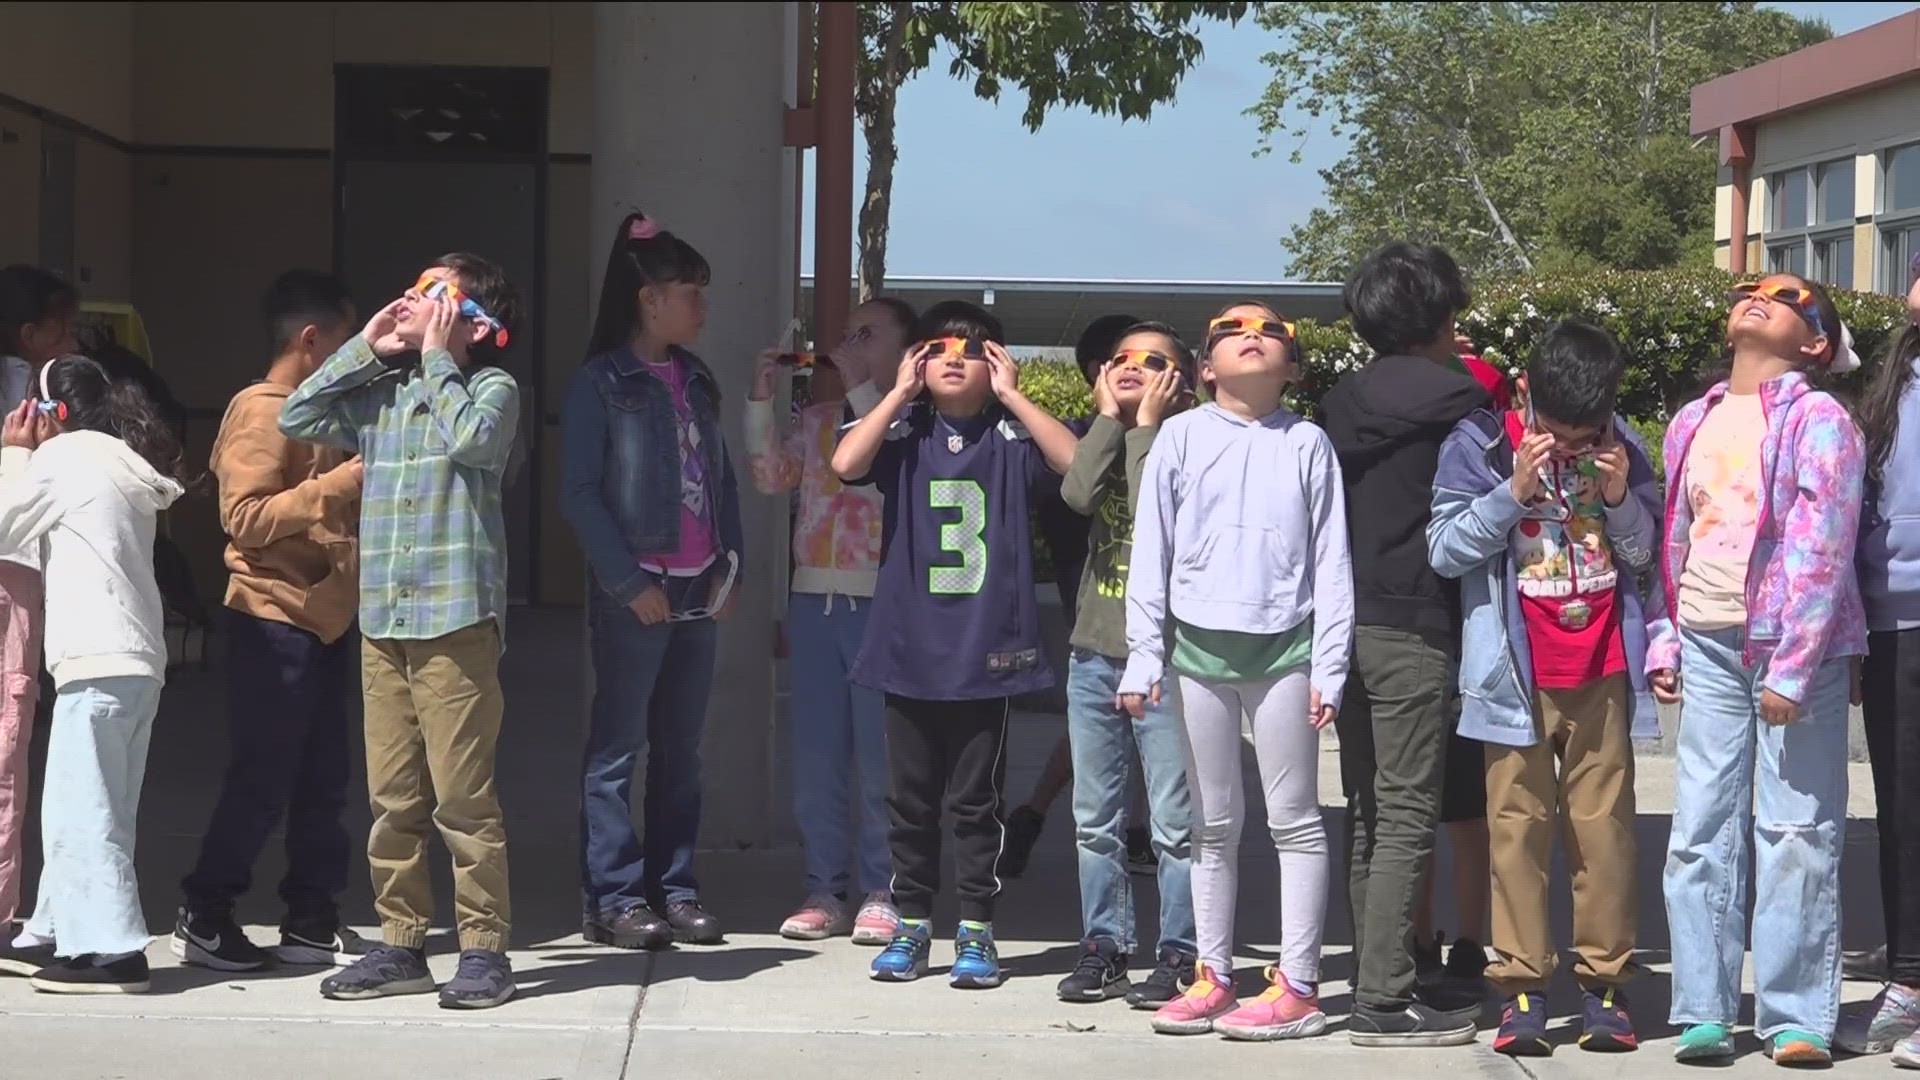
<point x="292" y="521"/>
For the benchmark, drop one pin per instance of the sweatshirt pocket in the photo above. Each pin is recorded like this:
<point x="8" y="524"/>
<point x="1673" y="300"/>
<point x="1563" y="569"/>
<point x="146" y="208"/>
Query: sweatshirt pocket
<point x="1249" y="565"/>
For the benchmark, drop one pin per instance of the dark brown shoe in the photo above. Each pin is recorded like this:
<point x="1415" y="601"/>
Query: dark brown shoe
<point x="692" y="925"/>
<point x="635" y="926"/>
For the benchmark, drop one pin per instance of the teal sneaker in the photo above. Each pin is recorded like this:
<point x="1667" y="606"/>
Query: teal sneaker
<point x="1704" y="1042"/>
<point x="905" y="957"/>
<point x="976" y="963"/>
<point x="1799" y="1049"/>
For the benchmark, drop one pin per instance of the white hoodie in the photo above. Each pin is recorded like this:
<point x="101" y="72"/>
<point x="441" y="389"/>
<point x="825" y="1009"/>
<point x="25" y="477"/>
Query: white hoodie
<point x="87" y="502"/>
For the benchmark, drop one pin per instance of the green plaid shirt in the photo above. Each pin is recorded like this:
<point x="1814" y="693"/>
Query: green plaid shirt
<point x="435" y="441"/>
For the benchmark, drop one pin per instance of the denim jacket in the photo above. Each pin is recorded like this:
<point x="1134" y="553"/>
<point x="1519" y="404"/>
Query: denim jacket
<point x="620" y="470"/>
<point x="1474" y="513"/>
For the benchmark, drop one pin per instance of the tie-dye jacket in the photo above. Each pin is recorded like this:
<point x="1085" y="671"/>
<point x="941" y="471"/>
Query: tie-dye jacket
<point x="836" y="532"/>
<point x="1803" y="598"/>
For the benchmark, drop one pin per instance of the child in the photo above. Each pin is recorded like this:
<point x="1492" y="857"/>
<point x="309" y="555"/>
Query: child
<point x="1240" y="582"/>
<point x="650" y="493"/>
<point x="37" y="313"/>
<point x="1762" y="613"/>
<point x="1548" y="516"/>
<point x="86" y="470"/>
<point x="1387" y="422"/>
<point x="291" y="511"/>
<point x="837" y="727"/>
<point x="954" y="632"/>
<point x="1889" y="568"/>
<point x="1149" y="378"/>
<point x="435" y="437"/>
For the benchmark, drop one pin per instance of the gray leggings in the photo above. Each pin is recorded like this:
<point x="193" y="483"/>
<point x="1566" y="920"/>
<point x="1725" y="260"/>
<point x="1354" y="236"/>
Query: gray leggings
<point x="1287" y="749"/>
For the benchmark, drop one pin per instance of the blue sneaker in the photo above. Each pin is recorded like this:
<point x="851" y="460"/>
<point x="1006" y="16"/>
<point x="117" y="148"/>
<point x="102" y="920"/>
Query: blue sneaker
<point x="976" y="963"/>
<point x="905" y="957"/>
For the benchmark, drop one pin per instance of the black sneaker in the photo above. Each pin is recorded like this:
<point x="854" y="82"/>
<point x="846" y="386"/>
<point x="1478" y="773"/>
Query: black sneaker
<point x="91" y="973"/>
<point x="692" y="924"/>
<point x="385" y="972"/>
<point x="1418" y="1024"/>
<point x="1869" y="966"/>
<point x="635" y="926"/>
<point x="1169" y="979"/>
<point x="1023" y="831"/>
<point x="1140" y="856"/>
<point x="1429" y="961"/>
<point x="24" y="960"/>
<point x="1100" y="974"/>
<point x="484" y="980"/>
<point x="316" y="948"/>
<point x="1466" y="961"/>
<point x="214" y="940"/>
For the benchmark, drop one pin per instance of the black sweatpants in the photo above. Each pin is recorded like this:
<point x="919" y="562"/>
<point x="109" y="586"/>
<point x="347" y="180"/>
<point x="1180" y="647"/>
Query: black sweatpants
<point x="951" y="754"/>
<point x="1890" y="687"/>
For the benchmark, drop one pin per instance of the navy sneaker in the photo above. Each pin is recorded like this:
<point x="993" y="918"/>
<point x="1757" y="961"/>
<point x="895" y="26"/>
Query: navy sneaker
<point x="483" y="980"/>
<point x="1523" y="1027"/>
<point x="976" y="963"/>
<point x="1607" y="1028"/>
<point x="385" y="972"/>
<point x="905" y="957"/>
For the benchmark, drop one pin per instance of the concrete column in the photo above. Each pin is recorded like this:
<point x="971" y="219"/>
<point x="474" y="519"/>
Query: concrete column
<point x="688" y="126"/>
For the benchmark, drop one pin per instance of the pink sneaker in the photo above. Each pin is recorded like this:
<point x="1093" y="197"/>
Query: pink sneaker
<point x="1280" y="1013"/>
<point x="1193" y="1013"/>
<point x="819" y="918"/>
<point x="878" y="920"/>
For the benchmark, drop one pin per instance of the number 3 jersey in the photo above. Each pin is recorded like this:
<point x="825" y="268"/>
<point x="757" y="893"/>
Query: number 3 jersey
<point x="954" y="614"/>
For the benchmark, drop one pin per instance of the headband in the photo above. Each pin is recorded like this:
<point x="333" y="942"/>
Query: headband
<point x="50" y="405"/>
<point x="643" y="228"/>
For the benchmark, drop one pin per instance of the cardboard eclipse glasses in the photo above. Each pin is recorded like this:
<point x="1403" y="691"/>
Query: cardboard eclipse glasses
<point x="433" y="288"/>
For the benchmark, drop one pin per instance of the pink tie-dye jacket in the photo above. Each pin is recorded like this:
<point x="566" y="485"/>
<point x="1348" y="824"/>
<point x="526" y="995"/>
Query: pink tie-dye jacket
<point x="1803" y="599"/>
<point x="836" y="531"/>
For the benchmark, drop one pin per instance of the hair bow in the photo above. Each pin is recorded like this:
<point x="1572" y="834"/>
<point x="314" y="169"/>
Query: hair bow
<point x="1844" y="358"/>
<point x="643" y="228"/>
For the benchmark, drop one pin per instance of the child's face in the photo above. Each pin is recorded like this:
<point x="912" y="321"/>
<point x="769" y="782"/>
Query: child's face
<point x="1766" y="323"/>
<point x="1569" y="442"/>
<point x="872" y="345"/>
<point x="675" y="313"/>
<point x="410" y="322"/>
<point x="1250" y="356"/>
<point x="957" y="385"/>
<point x="52" y="337"/>
<point x="1130" y="383"/>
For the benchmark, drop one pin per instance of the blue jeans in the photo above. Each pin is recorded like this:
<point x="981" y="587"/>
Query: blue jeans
<point x="1798" y="823"/>
<point x="1108" y="746"/>
<point x="96" y="759"/>
<point x="837" y="727"/>
<point x="650" y="693"/>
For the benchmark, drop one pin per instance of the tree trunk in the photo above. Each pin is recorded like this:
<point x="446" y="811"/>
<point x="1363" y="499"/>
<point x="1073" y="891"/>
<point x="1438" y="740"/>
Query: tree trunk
<point x="1653" y="76"/>
<point x="876" y="108"/>
<point x="1463" y="145"/>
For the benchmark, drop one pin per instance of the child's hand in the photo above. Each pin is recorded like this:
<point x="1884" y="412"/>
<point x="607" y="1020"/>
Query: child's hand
<point x="382" y="331"/>
<point x="441" y="318"/>
<point x="1319" y="714"/>
<point x="20" y="429"/>
<point x="1103" y="402"/>
<point x="1163" y="390"/>
<point x="1005" y="372"/>
<point x="1135" y="705"/>
<point x="651" y="606"/>
<point x="1526" y="466"/>
<point x="1776" y="710"/>
<point x="1666" y="686"/>
<point x="764" y="370"/>
<point x="1612" y="462"/>
<point x="912" y="376"/>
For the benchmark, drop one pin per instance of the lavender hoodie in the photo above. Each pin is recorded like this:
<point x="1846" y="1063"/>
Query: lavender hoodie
<point x="1240" y="525"/>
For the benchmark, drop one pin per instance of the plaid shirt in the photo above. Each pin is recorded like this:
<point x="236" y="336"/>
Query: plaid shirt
<point x="435" y="441"/>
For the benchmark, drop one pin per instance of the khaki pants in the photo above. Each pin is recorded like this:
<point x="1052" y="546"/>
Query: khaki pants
<point x="1587" y="730"/>
<point x="432" y="717"/>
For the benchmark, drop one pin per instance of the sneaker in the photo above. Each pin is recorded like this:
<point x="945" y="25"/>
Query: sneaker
<point x="1140" y="857"/>
<point x="1169" y="979"/>
<point x="905" y="957"/>
<point x="1704" y="1042"/>
<point x="314" y="948"/>
<point x="1869" y="966"/>
<point x="877" y="921"/>
<point x="976" y="961"/>
<point x="693" y="924"/>
<point x="214" y="940"/>
<point x="821" y="917"/>
<point x="24" y="960"/>
<point x="1419" y="1024"/>
<point x="1523" y="1028"/>
<point x="90" y="973"/>
<point x="635" y="926"/>
<point x="1279" y="1013"/>
<point x="385" y="972"/>
<point x="1605" y="1026"/>
<point x="1907" y="1054"/>
<point x="483" y="980"/>
<point x="1892" y="1016"/>
<point x="1100" y="974"/>
<point x="1207" y="999"/>
<point x="1429" y="961"/>
<point x="1799" y="1050"/>
<point x="1023" y="831"/>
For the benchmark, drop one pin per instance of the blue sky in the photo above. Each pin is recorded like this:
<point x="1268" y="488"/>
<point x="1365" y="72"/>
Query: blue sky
<point x="1177" y="197"/>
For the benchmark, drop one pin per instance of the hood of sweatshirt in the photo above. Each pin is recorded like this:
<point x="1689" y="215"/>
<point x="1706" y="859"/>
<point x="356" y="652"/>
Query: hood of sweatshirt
<point x="1393" y="401"/>
<point x="116" y="463"/>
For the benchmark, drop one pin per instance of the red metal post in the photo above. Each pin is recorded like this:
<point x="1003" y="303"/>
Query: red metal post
<point x="1736" y="151"/>
<point x="833" y="171"/>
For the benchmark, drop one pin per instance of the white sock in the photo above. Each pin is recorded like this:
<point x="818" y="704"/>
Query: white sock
<point x="28" y="939"/>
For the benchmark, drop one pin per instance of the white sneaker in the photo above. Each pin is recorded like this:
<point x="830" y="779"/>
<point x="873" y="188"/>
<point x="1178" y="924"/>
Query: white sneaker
<point x="878" y="920"/>
<point x="1893" y="1015"/>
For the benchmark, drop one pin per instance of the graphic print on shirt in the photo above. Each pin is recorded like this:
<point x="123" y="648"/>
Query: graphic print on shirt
<point x="1110" y="558"/>
<point x="1560" y="546"/>
<point x="1723" y="487"/>
<point x="965" y="538"/>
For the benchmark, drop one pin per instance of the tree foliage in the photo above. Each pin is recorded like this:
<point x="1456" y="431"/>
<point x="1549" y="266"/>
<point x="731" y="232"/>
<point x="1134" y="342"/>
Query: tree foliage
<point x="1522" y="135"/>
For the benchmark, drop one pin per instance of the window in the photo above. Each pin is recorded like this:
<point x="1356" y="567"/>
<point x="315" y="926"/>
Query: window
<point x="1836" y="193"/>
<point x="1833" y="260"/>
<point x="1787" y="259"/>
<point x="1898" y="245"/>
<point x="1810" y="220"/>
<point x="1790" y="200"/>
<point x="1902" y="188"/>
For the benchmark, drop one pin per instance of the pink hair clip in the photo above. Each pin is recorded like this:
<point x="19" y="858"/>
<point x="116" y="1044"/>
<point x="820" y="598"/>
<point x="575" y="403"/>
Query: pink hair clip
<point x="643" y="228"/>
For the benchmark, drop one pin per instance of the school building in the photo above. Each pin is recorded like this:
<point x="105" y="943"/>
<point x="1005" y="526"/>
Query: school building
<point x="1820" y="159"/>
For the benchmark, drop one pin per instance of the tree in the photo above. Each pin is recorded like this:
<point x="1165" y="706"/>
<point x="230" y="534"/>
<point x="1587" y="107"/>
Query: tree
<point x="1515" y="133"/>
<point x="1112" y="58"/>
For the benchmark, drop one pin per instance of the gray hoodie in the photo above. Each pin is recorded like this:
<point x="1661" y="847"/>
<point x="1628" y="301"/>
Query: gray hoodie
<point x="1241" y="525"/>
<point x="1889" y="551"/>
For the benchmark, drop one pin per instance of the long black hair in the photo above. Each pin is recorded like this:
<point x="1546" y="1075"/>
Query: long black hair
<point x="1879" y="408"/>
<point x="643" y="254"/>
<point x="95" y="401"/>
<point x="29" y="295"/>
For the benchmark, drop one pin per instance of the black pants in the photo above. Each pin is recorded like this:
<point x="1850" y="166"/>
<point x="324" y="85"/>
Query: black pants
<point x="288" y="727"/>
<point x="1890" y="685"/>
<point x="949" y="753"/>
<point x="1394" y="722"/>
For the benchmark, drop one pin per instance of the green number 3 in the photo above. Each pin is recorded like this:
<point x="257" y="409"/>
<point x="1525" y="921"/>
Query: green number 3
<point x="965" y="538"/>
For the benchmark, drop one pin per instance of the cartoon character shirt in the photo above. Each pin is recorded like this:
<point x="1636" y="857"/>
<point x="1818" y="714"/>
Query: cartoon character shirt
<point x="1722" y="487"/>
